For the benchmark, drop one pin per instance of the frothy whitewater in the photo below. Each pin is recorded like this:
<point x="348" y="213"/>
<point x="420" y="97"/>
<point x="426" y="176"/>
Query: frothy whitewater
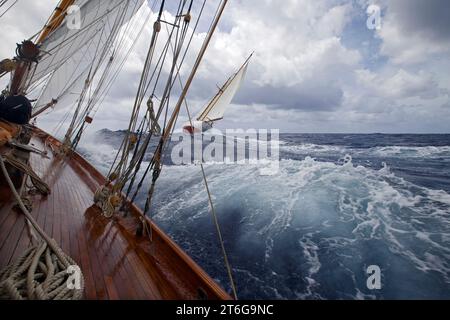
<point x="338" y="204"/>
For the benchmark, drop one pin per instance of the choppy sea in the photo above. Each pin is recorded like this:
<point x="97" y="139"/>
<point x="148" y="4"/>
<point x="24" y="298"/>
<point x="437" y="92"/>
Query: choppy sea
<point x="338" y="204"/>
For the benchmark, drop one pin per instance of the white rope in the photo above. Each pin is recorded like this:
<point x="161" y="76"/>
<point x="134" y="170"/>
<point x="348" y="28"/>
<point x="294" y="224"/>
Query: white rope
<point x="41" y="273"/>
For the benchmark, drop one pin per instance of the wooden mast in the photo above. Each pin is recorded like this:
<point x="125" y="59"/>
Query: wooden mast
<point x="55" y="20"/>
<point x="23" y="69"/>
<point x="176" y="111"/>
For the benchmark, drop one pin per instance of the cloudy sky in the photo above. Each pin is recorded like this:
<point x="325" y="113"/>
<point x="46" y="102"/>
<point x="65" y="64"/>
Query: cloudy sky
<point x="317" y="66"/>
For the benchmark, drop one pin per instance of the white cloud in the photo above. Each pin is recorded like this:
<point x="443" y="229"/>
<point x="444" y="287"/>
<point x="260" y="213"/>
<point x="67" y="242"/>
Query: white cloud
<point x="399" y="85"/>
<point x="25" y="19"/>
<point x="303" y="76"/>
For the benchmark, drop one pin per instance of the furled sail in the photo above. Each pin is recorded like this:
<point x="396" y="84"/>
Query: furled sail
<point x="217" y="106"/>
<point x="72" y="54"/>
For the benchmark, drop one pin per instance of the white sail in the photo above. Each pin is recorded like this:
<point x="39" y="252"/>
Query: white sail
<point x="216" y="108"/>
<point x="70" y="54"/>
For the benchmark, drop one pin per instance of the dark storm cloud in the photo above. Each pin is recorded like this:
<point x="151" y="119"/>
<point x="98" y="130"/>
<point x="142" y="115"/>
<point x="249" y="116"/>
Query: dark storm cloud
<point x="305" y="97"/>
<point x="313" y="95"/>
<point x="429" y="17"/>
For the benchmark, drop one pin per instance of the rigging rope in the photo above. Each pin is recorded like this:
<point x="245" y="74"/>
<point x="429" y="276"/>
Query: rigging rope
<point x="38" y="183"/>
<point x="90" y="97"/>
<point x="213" y="211"/>
<point x="150" y="166"/>
<point x="118" y="170"/>
<point x="158" y="164"/>
<point x="122" y="58"/>
<point x="2" y="3"/>
<point x="79" y="43"/>
<point x="211" y="203"/>
<point x="179" y="39"/>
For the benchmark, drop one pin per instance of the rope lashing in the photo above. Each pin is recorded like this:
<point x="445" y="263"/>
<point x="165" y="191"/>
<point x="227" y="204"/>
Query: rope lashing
<point x="101" y="194"/>
<point x="107" y="201"/>
<point x="155" y="128"/>
<point x="43" y="270"/>
<point x="39" y="184"/>
<point x="7" y="66"/>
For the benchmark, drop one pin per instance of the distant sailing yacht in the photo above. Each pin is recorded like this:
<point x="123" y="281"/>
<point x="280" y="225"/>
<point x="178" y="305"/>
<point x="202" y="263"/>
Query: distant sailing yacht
<point x="215" y="109"/>
<point x="72" y="232"/>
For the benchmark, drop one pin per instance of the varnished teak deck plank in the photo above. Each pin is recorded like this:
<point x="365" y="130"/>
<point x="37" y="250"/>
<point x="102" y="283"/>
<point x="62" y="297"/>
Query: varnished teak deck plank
<point x="115" y="264"/>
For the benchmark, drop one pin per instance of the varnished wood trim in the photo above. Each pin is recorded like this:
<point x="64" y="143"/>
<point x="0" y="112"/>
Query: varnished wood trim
<point x="192" y="268"/>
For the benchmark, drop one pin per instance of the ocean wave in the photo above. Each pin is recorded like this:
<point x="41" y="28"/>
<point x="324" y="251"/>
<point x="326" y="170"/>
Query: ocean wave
<point x="429" y="151"/>
<point x="310" y="230"/>
<point x="320" y="214"/>
<point x="100" y="154"/>
<point x="314" y="148"/>
<point x="386" y="151"/>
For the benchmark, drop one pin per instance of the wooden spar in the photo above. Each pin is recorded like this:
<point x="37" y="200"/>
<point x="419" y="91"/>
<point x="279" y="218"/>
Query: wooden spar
<point x="24" y="67"/>
<point x="171" y="124"/>
<point x="213" y="102"/>
<point x="175" y="113"/>
<point x="55" y="20"/>
<point x="19" y="74"/>
<point x="45" y="108"/>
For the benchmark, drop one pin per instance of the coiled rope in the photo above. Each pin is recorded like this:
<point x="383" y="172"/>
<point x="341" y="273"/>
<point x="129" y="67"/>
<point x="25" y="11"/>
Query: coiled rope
<point x="107" y="201"/>
<point x="43" y="270"/>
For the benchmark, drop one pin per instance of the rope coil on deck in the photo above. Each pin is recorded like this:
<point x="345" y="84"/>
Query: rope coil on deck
<point x="107" y="201"/>
<point x="44" y="271"/>
<point x="38" y="275"/>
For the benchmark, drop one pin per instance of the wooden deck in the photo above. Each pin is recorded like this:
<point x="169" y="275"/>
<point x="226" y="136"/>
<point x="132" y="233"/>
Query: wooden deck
<point x="116" y="264"/>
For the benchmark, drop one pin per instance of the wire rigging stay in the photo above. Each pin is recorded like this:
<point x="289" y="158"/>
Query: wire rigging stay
<point x="76" y="68"/>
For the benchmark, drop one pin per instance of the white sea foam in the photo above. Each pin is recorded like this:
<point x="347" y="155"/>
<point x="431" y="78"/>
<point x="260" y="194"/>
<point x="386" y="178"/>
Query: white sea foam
<point x="314" y="148"/>
<point x="429" y="151"/>
<point x="321" y="217"/>
<point x="388" y="151"/>
<point x="101" y="155"/>
<point x="310" y="195"/>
